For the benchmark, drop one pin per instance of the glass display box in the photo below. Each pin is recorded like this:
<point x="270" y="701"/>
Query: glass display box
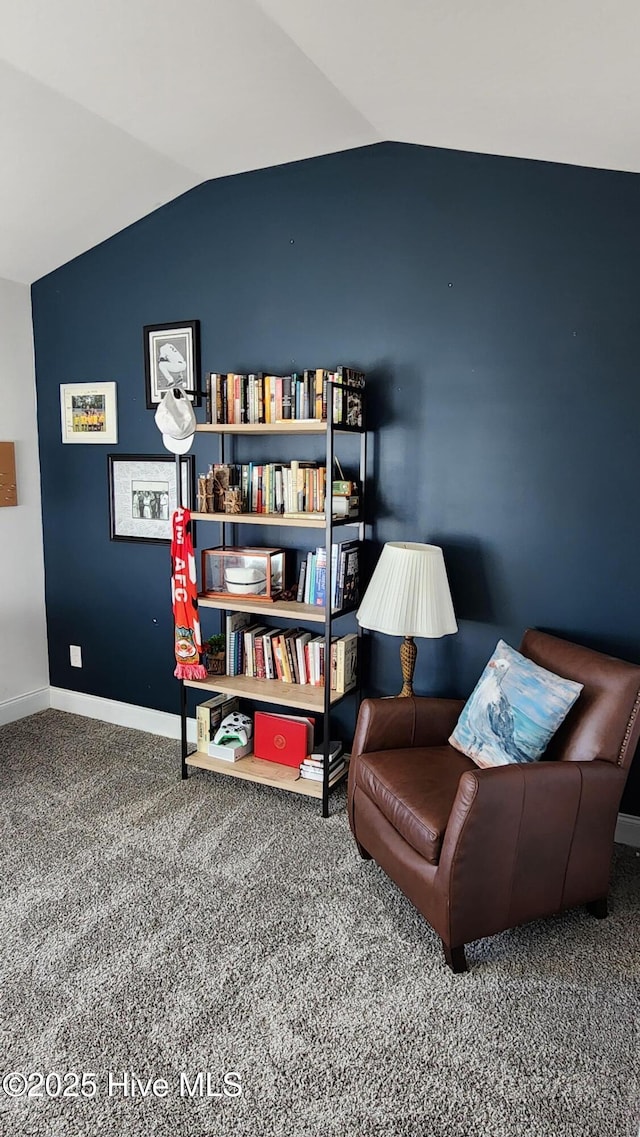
<point x="237" y="573"/>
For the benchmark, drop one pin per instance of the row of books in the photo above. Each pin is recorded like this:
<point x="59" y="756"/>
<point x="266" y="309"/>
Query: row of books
<point x="292" y="655"/>
<point x="273" y="487"/>
<point x="234" y="400"/>
<point x="344" y="575"/>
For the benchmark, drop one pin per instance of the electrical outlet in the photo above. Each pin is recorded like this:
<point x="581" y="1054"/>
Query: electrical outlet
<point x="75" y="655"/>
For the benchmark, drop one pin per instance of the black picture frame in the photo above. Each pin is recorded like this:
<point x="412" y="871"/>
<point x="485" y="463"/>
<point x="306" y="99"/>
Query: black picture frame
<point x="143" y="495"/>
<point x="172" y="359"/>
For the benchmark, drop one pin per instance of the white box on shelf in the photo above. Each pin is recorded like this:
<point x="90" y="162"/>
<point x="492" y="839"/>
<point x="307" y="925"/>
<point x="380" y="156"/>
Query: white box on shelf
<point x="345" y="506"/>
<point x="229" y="753"/>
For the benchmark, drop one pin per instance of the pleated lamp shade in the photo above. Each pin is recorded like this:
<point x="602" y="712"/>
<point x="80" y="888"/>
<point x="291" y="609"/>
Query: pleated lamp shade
<point x="408" y="594"/>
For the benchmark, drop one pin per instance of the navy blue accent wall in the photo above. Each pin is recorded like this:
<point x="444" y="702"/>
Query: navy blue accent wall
<point x="494" y="304"/>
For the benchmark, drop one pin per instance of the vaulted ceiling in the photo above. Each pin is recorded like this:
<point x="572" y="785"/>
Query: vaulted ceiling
<point x="110" y="108"/>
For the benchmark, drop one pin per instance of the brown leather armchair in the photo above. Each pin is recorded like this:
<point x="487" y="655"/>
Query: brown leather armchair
<point x="481" y="850"/>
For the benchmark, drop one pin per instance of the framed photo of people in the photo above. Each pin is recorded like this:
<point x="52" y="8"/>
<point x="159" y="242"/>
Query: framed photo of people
<point x="88" y="412"/>
<point x="172" y="359"/>
<point x="143" y="495"/>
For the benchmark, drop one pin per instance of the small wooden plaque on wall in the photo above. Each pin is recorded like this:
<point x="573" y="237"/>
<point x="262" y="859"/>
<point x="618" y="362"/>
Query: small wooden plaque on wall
<point x="8" y="488"/>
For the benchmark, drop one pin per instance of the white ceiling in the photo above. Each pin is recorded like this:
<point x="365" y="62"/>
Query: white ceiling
<point x="109" y="108"/>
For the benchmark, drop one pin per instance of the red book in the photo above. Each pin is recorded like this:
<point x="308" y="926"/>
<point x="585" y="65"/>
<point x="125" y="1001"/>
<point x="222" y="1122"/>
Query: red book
<point x="261" y="671"/>
<point x="277" y="656"/>
<point x="282" y="738"/>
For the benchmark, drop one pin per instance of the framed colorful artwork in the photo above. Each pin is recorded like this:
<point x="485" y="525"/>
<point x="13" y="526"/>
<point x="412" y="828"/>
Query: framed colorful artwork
<point x="88" y="412"/>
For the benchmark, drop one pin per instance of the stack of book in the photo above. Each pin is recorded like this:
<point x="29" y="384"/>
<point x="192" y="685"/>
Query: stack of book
<point x="313" y="765"/>
<point x="234" y="400"/>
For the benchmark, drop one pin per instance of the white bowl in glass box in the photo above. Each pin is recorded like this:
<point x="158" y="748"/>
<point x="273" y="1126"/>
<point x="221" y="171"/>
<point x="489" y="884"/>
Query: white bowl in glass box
<point x="245" y="580"/>
<point x="251" y="572"/>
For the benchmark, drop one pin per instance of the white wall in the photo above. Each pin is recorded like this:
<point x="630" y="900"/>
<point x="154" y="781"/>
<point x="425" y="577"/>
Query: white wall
<point x="24" y="672"/>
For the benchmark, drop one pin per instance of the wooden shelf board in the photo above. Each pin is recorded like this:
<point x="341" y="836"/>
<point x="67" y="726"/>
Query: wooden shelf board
<point x="299" y="695"/>
<point x="312" y="521"/>
<point x="281" y="609"/>
<point x="295" y="426"/>
<point x="252" y="769"/>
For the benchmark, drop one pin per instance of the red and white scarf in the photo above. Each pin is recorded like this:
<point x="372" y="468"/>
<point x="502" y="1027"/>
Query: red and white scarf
<point x="184" y="596"/>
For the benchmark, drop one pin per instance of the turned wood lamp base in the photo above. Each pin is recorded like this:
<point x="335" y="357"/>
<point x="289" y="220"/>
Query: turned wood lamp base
<point x="408" y="656"/>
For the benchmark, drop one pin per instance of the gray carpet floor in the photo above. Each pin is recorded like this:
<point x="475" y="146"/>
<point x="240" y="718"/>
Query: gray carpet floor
<point x="162" y="928"/>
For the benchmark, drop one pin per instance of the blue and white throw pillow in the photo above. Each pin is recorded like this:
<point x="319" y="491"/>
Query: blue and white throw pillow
<point x="514" y="710"/>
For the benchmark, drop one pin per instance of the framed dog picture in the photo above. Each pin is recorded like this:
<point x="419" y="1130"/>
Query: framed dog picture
<point x="172" y="359"/>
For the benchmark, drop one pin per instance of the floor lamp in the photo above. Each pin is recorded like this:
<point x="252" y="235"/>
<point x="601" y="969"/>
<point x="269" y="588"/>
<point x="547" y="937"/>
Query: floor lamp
<point x="408" y="595"/>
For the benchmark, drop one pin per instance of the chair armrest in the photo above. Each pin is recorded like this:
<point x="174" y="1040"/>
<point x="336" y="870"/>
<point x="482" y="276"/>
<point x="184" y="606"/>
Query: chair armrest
<point x="552" y="791"/>
<point x="527" y="840"/>
<point x="394" y="724"/>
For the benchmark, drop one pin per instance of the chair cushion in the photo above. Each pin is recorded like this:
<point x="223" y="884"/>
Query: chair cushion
<point x="514" y="710"/>
<point x="415" y="790"/>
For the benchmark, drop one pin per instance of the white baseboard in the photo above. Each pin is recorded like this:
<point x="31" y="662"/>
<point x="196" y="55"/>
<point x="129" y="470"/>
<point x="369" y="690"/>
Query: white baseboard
<point x="628" y="830"/>
<point x="13" y="709"/>
<point x="121" y="714"/>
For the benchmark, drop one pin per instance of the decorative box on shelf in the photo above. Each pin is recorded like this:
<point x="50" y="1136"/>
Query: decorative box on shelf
<point x="342" y="487"/>
<point x="234" y="573"/>
<point x="342" y="506"/>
